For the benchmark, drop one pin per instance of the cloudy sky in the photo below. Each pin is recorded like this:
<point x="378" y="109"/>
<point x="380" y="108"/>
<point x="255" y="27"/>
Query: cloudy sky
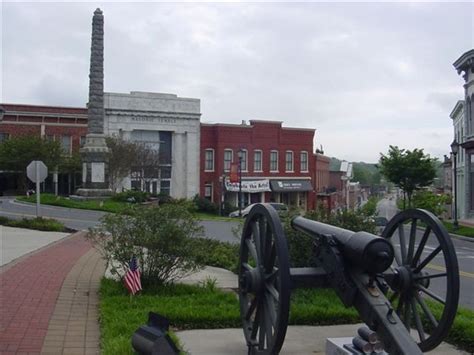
<point x="364" y="75"/>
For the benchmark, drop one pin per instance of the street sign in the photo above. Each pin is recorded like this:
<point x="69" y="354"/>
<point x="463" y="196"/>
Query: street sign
<point x="37" y="171"/>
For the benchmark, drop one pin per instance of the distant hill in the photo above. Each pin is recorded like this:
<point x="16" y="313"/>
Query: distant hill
<point x="365" y="173"/>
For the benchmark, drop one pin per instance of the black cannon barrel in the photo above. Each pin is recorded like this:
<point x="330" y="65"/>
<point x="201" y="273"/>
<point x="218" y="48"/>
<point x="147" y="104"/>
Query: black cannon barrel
<point x="368" y="251"/>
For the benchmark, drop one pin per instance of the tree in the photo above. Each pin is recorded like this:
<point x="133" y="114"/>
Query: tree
<point x="17" y="152"/>
<point x="409" y="170"/>
<point x="122" y="155"/>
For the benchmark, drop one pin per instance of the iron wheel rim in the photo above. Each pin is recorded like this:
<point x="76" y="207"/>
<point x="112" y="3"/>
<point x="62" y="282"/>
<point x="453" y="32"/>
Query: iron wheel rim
<point x="265" y="299"/>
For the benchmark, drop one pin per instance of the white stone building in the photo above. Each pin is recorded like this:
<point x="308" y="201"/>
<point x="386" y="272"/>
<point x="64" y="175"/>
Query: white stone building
<point x="464" y="130"/>
<point x="168" y="123"/>
<point x="457" y="115"/>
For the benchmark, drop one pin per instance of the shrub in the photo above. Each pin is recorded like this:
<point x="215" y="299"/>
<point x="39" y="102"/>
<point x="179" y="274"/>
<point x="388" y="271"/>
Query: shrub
<point x="216" y="253"/>
<point x="430" y="201"/>
<point x="159" y="237"/>
<point x="132" y="196"/>
<point x="38" y="223"/>
<point x="204" y="205"/>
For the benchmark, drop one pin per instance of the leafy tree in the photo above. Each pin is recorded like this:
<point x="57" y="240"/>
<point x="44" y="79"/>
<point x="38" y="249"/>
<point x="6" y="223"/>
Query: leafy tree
<point x="409" y="170"/>
<point x="122" y="155"/>
<point x="17" y="152"/>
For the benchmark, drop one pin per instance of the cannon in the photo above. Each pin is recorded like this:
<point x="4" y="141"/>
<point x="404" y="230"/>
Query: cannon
<point x="404" y="284"/>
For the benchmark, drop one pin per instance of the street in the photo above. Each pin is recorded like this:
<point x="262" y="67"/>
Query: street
<point x="464" y="251"/>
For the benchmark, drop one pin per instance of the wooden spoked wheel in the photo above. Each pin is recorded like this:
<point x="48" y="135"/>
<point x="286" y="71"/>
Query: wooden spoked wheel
<point x="264" y="281"/>
<point x="424" y="278"/>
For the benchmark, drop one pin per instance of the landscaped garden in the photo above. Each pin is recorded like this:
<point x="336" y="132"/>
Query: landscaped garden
<point x="153" y="235"/>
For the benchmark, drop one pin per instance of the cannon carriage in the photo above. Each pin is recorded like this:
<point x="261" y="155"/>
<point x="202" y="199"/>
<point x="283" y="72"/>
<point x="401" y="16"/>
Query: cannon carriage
<point x="392" y="280"/>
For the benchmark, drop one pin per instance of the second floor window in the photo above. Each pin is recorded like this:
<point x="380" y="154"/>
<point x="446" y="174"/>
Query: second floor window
<point x="273" y="160"/>
<point x="304" y="161"/>
<point x="289" y="161"/>
<point x="243" y="159"/>
<point x="209" y="160"/>
<point x="66" y="144"/>
<point x="257" y="160"/>
<point x="227" y="159"/>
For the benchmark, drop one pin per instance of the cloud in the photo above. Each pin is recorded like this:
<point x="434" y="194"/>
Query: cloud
<point x="363" y="75"/>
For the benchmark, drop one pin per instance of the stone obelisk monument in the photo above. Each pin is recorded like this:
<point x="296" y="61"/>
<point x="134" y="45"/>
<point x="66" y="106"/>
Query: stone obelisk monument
<point x="95" y="181"/>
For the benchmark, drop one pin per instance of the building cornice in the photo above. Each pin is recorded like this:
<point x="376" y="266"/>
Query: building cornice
<point x="465" y="62"/>
<point x="457" y="108"/>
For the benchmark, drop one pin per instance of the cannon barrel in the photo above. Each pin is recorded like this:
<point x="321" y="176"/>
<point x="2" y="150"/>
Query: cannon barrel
<point x="365" y="250"/>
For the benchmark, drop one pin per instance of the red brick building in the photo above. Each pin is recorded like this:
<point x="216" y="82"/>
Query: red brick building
<point x="277" y="163"/>
<point x="68" y="125"/>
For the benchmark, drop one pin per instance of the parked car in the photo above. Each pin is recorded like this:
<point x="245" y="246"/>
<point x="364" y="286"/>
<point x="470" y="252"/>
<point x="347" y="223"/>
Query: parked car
<point x="279" y="207"/>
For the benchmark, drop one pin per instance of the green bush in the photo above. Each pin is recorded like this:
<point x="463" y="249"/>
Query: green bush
<point x="216" y="253"/>
<point x="159" y="237"/>
<point x="38" y="223"/>
<point x="133" y="196"/>
<point x="204" y="205"/>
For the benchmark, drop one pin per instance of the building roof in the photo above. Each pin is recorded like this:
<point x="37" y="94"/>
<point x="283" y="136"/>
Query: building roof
<point x="465" y="62"/>
<point x="21" y="108"/>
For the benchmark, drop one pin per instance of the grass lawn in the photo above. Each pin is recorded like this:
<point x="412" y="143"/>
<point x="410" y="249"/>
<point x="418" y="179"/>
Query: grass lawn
<point x="462" y="230"/>
<point x="107" y="205"/>
<point x="205" y="307"/>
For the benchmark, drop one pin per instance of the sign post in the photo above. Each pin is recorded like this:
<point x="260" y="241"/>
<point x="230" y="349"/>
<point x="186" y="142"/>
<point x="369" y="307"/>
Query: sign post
<point x="37" y="172"/>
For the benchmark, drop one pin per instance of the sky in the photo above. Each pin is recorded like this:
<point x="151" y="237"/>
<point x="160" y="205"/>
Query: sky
<point x="364" y="75"/>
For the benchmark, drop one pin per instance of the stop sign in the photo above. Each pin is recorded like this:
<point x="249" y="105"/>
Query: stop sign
<point x="37" y="171"/>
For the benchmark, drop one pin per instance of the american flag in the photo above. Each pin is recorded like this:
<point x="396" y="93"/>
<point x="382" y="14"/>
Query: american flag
<point x="132" y="277"/>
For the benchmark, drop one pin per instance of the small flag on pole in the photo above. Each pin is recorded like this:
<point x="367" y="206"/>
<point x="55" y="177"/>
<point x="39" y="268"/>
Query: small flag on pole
<point x="132" y="277"/>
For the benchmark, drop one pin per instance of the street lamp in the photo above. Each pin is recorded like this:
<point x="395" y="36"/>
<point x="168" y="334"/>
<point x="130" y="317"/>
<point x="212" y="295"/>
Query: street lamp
<point x="454" y="150"/>
<point x="240" y="183"/>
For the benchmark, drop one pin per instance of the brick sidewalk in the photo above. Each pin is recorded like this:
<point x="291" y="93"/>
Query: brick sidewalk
<point x="29" y="292"/>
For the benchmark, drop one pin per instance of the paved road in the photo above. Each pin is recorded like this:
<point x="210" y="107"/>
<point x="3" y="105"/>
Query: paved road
<point x="464" y="252"/>
<point x="84" y="219"/>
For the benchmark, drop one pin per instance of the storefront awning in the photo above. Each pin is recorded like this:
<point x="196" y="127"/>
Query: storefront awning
<point x="291" y="185"/>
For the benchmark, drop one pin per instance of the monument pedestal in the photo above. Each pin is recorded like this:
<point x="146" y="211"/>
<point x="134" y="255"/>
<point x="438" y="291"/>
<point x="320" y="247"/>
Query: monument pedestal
<point x="95" y="182"/>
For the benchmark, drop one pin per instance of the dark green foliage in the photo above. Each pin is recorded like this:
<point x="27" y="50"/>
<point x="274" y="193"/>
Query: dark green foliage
<point x="132" y="196"/>
<point x="409" y="170"/>
<point x="16" y="153"/>
<point x="370" y="207"/>
<point x="430" y="201"/>
<point x="204" y="205"/>
<point x="215" y="253"/>
<point x="38" y="223"/>
<point x="159" y="237"/>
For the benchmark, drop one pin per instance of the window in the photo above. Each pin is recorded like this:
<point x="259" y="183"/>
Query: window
<point x="243" y="159"/>
<point x="274" y="160"/>
<point x="208" y="192"/>
<point x="257" y="160"/>
<point x="304" y="161"/>
<point x="66" y="144"/>
<point x="3" y="137"/>
<point x="209" y="160"/>
<point x="82" y="141"/>
<point x="227" y="159"/>
<point x="289" y="161"/>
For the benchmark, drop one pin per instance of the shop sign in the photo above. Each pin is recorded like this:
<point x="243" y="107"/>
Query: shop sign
<point x="249" y="186"/>
<point x="291" y="185"/>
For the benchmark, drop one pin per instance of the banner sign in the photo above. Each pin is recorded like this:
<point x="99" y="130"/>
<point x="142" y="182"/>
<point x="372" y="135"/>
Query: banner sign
<point x="234" y="173"/>
<point x="248" y="186"/>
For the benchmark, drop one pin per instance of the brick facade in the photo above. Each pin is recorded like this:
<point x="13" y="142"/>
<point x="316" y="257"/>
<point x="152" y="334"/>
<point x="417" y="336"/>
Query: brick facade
<point x="259" y="139"/>
<point x="65" y="124"/>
